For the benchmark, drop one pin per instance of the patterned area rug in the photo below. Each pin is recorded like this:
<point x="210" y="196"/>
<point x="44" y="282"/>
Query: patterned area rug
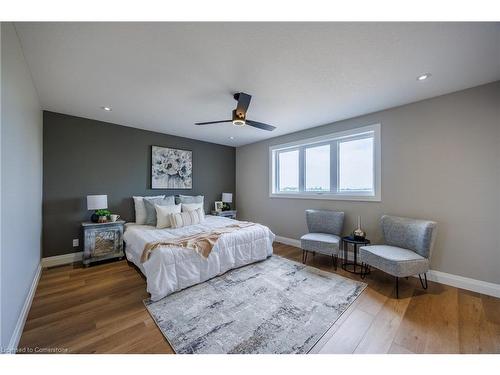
<point x="274" y="306"/>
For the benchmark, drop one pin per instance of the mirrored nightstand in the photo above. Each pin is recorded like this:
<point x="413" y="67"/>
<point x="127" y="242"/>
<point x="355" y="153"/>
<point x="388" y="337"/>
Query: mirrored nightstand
<point x="230" y="214"/>
<point x="102" y="241"/>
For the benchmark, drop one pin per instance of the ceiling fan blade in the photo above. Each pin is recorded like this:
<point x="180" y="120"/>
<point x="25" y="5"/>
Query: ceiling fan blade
<point x="260" y="125"/>
<point x="243" y="103"/>
<point x="212" y="122"/>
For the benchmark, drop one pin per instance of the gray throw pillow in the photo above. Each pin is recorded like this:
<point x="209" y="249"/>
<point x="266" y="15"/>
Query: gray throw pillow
<point x="149" y="205"/>
<point x="188" y="199"/>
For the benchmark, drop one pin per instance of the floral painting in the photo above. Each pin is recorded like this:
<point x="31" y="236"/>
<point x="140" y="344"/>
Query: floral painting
<point x="171" y="168"/>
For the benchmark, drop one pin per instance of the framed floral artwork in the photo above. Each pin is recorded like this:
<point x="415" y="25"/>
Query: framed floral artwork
<point x="171" y="168"/>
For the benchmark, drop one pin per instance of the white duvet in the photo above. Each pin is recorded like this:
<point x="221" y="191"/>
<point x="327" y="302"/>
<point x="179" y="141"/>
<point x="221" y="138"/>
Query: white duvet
<point x="170" y="269"/>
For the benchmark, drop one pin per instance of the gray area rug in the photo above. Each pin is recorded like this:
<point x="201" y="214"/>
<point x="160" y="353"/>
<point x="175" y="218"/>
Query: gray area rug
<point x="274" y="306"/>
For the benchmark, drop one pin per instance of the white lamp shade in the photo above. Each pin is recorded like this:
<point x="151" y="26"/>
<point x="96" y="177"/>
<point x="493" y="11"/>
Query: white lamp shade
<point x="227" y="197"/>
<point x="97" y="202"/>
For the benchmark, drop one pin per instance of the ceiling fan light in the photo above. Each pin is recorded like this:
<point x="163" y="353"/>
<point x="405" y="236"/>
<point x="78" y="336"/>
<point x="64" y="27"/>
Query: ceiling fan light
<point x="238" y="122"/>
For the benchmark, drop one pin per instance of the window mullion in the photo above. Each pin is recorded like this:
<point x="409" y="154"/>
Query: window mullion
<point x="334" y="166"/>
<point x="302" y="169"/>
<point x="277" y="172"/>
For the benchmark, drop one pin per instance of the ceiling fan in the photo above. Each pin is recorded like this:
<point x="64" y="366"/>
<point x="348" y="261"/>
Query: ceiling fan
<point x="240" y="114"/>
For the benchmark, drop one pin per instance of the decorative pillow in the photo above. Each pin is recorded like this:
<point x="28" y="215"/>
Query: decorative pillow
<point x="191" y="206"/>
<point x="186" y="218"/>
<point x="189" y="198"/>
<point x="149" y="205"/>
<point x="163" y="215"/>
<point x="140" y="210"/>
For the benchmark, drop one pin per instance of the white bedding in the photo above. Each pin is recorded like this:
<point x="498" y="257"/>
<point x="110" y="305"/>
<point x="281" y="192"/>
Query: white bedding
<point x="170" y="269"/>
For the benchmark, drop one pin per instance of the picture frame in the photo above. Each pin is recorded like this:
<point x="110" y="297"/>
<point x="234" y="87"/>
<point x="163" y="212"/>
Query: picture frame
<point x="218" y="206"/>
<point x="171" y="168"/>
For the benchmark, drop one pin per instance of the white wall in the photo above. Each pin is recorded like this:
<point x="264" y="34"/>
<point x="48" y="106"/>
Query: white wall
<point x="440" y="161"/>
<point x="21" y="181"/>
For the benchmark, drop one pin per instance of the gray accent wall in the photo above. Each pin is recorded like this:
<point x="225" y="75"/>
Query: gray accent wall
<point x="83" y="156"/>
<point x="440" y="161"/>
<point x="21" y="183"/>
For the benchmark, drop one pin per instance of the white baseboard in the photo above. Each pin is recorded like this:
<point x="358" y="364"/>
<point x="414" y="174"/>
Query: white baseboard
<point x="59" y="260"/>
<point x="288" y="241"/>
<point x="18" y="330"/>
<point x="474" y="285"/>
<point x="479" y="286"/>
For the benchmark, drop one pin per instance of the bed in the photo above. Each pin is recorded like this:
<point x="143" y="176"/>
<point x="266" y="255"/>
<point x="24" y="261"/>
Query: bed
<point x="170" y="269"/>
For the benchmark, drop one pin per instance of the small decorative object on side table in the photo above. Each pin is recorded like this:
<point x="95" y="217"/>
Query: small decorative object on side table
<point x="358" y="234"/>
<point x="230" y="214"/>
<point x="355" y="242"/>
<point x="102" y="241"/>
<point x="218" y="206"/>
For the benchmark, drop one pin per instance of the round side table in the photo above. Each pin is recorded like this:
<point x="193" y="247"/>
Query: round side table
<point x="352" y="267"/>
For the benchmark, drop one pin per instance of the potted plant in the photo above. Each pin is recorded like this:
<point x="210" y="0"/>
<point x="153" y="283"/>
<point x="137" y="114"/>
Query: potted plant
<point x="102" y="215"/>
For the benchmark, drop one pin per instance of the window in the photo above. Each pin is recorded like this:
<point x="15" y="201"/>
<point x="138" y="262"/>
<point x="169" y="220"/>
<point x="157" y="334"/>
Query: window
<point x="289" y="171"/>
<point x="343" y="165"/>
<point x="356" y="165"/>
<point x="318" y="168"/>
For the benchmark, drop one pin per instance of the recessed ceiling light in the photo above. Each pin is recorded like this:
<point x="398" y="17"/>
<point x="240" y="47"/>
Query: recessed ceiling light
<point x="231" y="137"/>
<point x="423" y="77"/>
<point x="109" y="109"/>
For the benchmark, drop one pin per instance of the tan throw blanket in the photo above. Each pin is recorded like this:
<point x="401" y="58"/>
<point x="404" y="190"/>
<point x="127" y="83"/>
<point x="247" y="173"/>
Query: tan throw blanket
<point x="202" y="243"/>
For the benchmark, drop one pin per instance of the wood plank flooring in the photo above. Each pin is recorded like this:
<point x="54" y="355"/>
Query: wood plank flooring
<point x="100" y="310"/>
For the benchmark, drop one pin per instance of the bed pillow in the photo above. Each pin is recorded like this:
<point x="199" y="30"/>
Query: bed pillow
<point x="186" y="218"/>
<point x="149" y="205"/>
<point x="191" y="206"/>
<point x="163" y="214"/>
<point x="140" y="210"/>
<point x="189" y="198"/>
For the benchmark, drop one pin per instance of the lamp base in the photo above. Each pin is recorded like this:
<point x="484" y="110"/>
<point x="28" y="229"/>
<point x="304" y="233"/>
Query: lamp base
<point x="94" y="218"/>
<point x="226" y="207"/>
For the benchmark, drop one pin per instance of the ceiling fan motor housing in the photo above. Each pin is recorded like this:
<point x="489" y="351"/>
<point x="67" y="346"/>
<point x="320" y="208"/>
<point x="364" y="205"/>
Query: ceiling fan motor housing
<point x="238" y="120"/>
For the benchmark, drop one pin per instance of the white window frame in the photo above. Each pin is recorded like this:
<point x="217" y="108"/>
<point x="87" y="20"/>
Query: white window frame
<point x="360" y="132"/>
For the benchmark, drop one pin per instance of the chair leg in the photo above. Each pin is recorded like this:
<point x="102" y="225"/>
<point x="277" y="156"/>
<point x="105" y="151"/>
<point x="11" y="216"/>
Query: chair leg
<point x="397" y="287"/>
<point x="421" y="281"/>
<point x="335" y="260"/>
<point x="304" y="256"/>
<point x="364" y="270"/>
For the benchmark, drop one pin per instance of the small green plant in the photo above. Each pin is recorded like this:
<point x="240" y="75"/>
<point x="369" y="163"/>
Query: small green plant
<point x="103" y="213"/>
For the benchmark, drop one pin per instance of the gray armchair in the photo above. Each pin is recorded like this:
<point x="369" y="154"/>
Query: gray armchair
<point x="407" y="249"/>
<point x="325" y="228"/>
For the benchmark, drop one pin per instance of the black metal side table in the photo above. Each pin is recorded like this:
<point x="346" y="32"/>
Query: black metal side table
<point x="351" y="266"/>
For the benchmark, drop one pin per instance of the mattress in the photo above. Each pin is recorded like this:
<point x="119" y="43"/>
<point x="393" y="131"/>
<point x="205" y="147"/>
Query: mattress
<point x="170" y="269"/>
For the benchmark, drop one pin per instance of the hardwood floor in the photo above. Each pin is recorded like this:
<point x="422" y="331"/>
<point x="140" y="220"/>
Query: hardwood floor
<point x="100" y="310"/>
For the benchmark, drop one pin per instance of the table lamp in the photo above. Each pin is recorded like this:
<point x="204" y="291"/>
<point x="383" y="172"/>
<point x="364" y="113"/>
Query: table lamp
<point x="96" y="202"/>
<point x="227" y="199"/>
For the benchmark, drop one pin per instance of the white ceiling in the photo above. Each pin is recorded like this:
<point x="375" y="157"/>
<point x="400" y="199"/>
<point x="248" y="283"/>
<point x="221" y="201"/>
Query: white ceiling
<point x="166" y="76"/>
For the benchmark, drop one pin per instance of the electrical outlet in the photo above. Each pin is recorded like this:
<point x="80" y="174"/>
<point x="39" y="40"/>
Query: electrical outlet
<point x="76" y="242"/>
